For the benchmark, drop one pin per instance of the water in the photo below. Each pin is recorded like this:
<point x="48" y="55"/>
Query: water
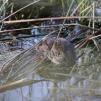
<point x="45" y="91"/>
<point x="75" y="87"/>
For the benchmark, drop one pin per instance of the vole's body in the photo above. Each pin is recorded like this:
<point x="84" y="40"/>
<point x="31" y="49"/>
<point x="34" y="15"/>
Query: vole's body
<point x="59" y="51"/>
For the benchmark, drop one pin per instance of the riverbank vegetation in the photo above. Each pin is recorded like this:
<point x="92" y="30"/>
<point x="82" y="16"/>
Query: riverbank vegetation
<point x="20" y="63"/>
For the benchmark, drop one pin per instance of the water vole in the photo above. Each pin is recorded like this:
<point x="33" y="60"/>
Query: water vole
<point x="59" y="51"/>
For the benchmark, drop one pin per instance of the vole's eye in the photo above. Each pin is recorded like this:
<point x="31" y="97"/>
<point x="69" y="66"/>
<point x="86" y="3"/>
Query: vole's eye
<point x="59" y="53"/>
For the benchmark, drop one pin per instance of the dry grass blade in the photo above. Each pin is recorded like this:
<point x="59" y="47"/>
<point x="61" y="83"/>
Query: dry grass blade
<point x="20" y="10"/>
<point x="19" y="64"/>
<point x="18" y="84"/>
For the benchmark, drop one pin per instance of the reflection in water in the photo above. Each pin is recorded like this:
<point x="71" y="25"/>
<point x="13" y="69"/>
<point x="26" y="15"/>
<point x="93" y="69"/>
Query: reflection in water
<point x="46" y="91"/>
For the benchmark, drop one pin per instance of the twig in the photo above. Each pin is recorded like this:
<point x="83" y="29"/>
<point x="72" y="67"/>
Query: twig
<point x="49" y="26"/>
<point x="18" y="84"/>
<point x="48" y="19"/>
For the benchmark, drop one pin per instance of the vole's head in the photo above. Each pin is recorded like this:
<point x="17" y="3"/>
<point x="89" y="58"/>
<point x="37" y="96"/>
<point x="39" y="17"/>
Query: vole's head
<point x="45" y="45"/>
